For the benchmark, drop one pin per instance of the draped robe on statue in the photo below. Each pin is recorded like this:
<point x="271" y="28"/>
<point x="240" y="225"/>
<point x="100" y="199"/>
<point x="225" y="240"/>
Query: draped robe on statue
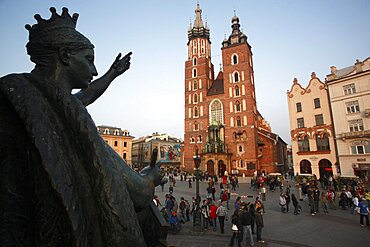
<point x="60" y="182"/>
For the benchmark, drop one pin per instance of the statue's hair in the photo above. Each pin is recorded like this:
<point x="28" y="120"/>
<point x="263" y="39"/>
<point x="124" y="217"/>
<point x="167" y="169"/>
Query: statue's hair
<point x="47" y="37"/>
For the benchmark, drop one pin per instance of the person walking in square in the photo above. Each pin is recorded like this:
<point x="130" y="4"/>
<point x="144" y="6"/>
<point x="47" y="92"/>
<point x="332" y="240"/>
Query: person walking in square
<point x="246" y="222"/>
<point x="364" y="212"/>
<point x="282" y="202"/>
<point x="213" y="216"/>
<point x="259" y="224"/>
<point x="222" y="216"/>
<point x="236" y="228"/>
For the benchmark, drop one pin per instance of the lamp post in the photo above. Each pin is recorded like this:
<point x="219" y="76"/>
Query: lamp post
<point x="197" y="228"/>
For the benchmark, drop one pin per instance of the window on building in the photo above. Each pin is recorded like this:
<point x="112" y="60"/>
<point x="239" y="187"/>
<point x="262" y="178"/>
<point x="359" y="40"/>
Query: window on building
<point x="303" y="144"/>
<point x="106" y="132"/>
<point x="299" y="107"/>
<point x="237" y="91"/>
<point x="236" y="77"/>
<point x="192" y="140"/>
<point x="240" y="149"/>
<point x="124" y="156"/>
<point x="195" y="85"/>
<point x="322" y="142"/>
<point x="235" y="59"/>
<point x="196" y="126"/>
<point x="360" y="147"/>
<point x="317" y="103"/>
<point x="319" y="119"/>
<point x="125" y="144"/>
<point x="195" y="98"/>
<point x="195" y="112"/>
<point x="237" y="106"/>
<point x="115" y="143"/>
<point x="356" y="125"/>
<point x="194" y="61"/>
<point x="194" y="72"/>
<point x="352" y="107"/>
<point x="200" y="139"/>
<point x="216" y="113"/>
<point x="238" y="122"/>
<point x="349" y="89"/>
<point x="241" y="164"/>
<point x="300" y="122"/>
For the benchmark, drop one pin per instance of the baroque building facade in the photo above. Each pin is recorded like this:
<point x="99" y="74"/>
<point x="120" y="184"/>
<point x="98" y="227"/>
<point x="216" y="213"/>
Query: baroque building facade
<point x="349" y="93"/>
<point x="120" y="140"/>
<point x="222" y="123"/>
<point x="312" y="130"/>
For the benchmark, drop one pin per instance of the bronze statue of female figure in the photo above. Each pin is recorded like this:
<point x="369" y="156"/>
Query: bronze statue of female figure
<point x="60" y="183"/>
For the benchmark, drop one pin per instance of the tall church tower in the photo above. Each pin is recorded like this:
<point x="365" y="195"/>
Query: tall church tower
<point x="198" y="79"/>
<point x="222" y="123"/>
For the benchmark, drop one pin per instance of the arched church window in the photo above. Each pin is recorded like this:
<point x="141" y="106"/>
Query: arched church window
<point x="195" y="98"/>
<point x="195" y="112"/>
<point x="236" y="77"/>
<point x="216" y="112"/>
<point x="237" y="91"/>
<point x="235" y="59"/>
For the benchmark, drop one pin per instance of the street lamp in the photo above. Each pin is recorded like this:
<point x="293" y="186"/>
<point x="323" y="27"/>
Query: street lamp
<point x="196" y="214"/>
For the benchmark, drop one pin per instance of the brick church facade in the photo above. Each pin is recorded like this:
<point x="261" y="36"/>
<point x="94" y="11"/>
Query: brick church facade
<point x="222" y="122"/>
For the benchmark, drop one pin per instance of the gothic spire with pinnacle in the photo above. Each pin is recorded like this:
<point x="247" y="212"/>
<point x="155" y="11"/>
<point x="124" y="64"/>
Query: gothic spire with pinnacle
<point x="198" y="29"/>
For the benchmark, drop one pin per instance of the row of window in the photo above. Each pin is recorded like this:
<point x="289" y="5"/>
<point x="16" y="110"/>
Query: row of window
<point x="351" y="106"/>
<point x="199" y="139"/>
<point x="202" y="48"/>
<point x="322" y="143"/>
<point x="319" y="120"/>
<point x="115" y="143"/>
<point x="234" y="122"/>
<point x="353" y="125"/>
<point x="316" y="103"/>
<point x="195" y="112"/>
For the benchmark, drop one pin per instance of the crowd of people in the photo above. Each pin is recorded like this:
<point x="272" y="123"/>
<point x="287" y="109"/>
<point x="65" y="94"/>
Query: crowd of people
<point x="247" y="217"/>
<point x="351" y="196"/>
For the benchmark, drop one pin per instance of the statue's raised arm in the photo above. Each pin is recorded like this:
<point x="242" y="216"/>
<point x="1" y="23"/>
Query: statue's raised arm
<point x="98" y="87"/>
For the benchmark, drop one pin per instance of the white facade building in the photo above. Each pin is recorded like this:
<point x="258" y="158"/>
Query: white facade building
<point x="349" y="93"/>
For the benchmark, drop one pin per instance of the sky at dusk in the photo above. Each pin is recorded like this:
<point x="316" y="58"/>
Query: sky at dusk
<point x="289" y="38"/>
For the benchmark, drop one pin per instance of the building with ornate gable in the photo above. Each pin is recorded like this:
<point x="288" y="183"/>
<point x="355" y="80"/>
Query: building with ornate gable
<point x="312" y="130"/>
<point x="222" y="122"/>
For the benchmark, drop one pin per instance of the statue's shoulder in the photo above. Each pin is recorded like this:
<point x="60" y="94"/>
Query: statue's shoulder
<point x="14" y="80"/>
<point x="15" y="77"/>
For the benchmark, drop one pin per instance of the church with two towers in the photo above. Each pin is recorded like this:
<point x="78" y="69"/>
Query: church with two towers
<point x="222" y="123"/>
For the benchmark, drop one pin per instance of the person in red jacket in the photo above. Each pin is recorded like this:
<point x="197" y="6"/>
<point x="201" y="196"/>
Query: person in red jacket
<point x="213" y="216"/>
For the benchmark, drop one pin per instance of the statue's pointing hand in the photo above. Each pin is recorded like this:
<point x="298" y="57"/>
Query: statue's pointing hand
<point x="120" y="65"/>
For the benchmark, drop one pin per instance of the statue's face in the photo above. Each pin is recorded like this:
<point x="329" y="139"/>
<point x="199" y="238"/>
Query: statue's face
<point x="81" y="68"/>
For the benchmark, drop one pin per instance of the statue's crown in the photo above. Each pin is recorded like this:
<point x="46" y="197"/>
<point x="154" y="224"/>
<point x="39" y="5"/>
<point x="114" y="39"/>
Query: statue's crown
<point x="56" y="21"/>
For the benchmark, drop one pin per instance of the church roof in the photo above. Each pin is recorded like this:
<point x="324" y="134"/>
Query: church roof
<point x="217" y="86"/>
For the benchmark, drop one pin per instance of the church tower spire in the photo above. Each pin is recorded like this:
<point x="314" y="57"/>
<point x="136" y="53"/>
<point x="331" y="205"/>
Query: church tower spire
<point x="198" y="29"/>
